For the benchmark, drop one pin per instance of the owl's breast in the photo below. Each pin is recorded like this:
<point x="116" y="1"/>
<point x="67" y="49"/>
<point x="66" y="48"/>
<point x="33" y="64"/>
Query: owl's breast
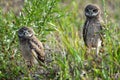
<point x="92" y="35"/>
<point x="26" y="50"/>
<point x="93" y="29"/>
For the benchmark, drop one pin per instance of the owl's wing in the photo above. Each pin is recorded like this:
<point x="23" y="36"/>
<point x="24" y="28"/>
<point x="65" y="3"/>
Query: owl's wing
<point x="85" y="31"/>
<point x="37" y="47"/>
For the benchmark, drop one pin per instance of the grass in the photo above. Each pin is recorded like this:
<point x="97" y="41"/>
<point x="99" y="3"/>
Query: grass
<point x="58" y="24"/>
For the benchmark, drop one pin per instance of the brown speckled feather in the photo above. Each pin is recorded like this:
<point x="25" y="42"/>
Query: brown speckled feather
<point x="31" y="48"/>
<point x="37" y="47"/>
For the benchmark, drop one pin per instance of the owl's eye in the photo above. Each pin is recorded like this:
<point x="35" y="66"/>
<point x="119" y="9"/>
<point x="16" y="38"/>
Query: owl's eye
<point x="95" y="10"/>
<point x="20" y="34"/>
<point x="87" y="10"/>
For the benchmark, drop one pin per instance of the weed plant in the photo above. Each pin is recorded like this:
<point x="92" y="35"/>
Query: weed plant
<point x="58" y="24"/>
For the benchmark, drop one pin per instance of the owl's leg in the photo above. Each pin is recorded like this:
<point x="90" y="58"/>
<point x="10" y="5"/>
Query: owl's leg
<point x="29" y="64"/>
<point x="97" y="51"/>
<point x="98" y="46"/>
<point x="29" y="67"/>
<point x="87" y="52"/>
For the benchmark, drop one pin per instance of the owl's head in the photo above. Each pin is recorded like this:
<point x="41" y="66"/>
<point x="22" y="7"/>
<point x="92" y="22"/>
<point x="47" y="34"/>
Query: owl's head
<point x="25" y="32"/>
<point x="92" y="10"/>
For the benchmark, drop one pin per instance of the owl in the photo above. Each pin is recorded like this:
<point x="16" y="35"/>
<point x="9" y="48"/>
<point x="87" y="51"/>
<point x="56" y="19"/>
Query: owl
<point x="92" y="30"/>
<point x="31" y="48"/>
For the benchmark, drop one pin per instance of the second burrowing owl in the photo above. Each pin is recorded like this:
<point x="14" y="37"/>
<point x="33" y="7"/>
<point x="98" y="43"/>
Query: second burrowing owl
<point x="31" y="48"/>
<point x="92" y="30"/>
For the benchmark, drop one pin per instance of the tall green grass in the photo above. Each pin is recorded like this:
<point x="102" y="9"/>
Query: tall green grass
<point x="58" y="24"/>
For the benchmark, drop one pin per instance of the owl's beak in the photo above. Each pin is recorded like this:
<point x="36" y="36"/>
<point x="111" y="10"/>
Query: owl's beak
<point x="90" y="12"/>
<point x="25" y="32"/>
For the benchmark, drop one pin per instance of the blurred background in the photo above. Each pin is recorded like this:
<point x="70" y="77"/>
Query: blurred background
<point x="58" y="24"/>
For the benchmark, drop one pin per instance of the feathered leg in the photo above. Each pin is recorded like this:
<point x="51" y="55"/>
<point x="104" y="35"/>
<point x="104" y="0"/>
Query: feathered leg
<point x="98" y="46"/>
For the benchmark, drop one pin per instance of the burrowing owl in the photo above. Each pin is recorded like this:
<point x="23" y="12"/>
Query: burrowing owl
<point x="92" y="30"/>
<point x="31" y="48"/>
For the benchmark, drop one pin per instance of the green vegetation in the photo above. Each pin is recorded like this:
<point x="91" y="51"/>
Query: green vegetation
<point x="58" y="24"/>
